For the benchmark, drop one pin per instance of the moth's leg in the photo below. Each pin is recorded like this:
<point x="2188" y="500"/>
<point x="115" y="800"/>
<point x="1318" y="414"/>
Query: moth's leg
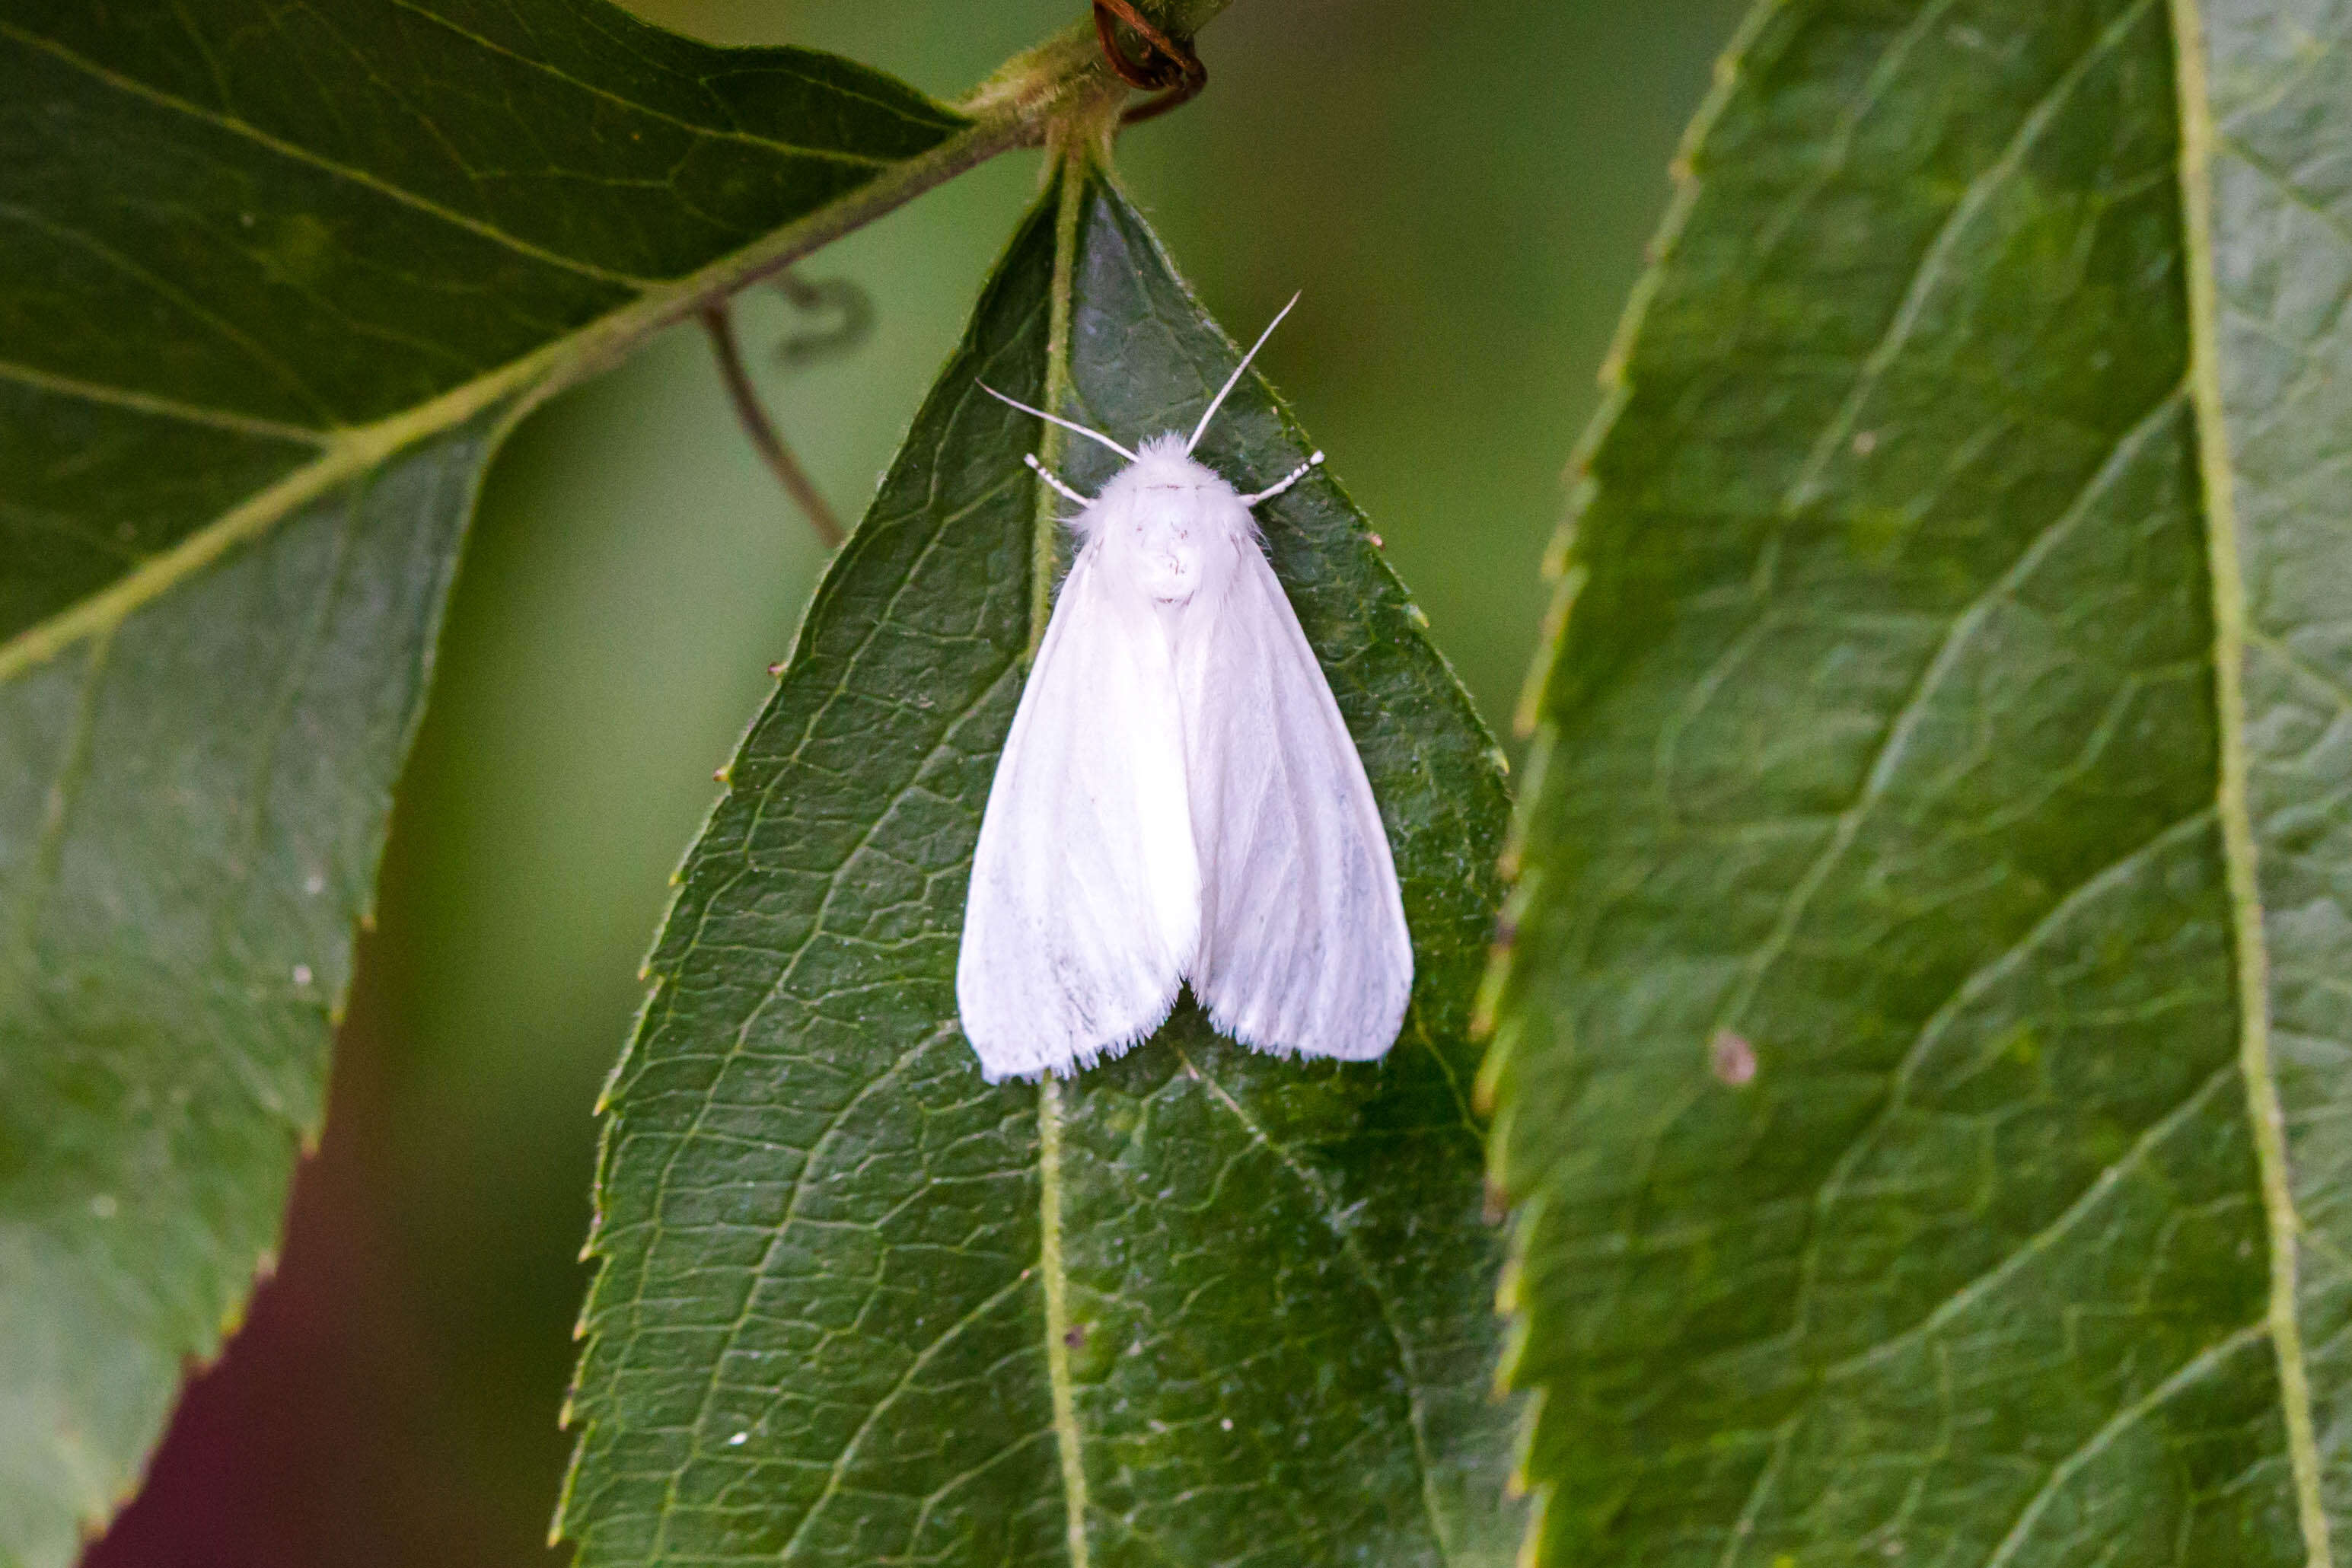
<point x="1285" y="482"/>
<point x="1046" y="474"/>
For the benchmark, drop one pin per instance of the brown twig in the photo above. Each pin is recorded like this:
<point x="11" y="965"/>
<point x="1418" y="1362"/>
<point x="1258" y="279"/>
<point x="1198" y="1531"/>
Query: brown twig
<point x="756" y="425"/>
<point x="1171" y="65"/>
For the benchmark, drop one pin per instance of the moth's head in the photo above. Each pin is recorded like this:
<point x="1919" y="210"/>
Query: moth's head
<point x="1168" y="520"/>
<point x="1162" y="463"/>
<point x="1165" y="489"/>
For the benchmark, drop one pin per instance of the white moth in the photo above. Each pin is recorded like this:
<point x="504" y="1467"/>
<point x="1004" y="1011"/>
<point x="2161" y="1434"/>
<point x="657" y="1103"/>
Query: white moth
<point x="1179" y="800"/>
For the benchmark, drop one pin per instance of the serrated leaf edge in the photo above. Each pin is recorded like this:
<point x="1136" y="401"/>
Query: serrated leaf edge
<point x="2241" y="851"/>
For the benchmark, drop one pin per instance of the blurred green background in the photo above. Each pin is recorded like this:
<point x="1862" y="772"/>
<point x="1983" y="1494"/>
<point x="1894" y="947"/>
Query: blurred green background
<point x="1462" y="191"/>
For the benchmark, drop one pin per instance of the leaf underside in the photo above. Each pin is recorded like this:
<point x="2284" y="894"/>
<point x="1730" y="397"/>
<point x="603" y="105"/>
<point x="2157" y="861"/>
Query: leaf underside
<point x="266" y="276"/>
<point x="1943" y="852"/>
<point x="819" y="1332"/>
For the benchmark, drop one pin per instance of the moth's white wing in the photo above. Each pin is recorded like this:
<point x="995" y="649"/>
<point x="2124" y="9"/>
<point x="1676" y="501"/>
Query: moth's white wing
<point x="1303" y="939"/>
<point x="1085" y="901"/>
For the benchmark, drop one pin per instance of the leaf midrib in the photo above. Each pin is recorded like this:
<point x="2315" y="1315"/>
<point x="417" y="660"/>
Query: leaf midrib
<point x="2241" y="852"/>
<point x="1069" y="1440"/>
<point x="1077" y="169"/>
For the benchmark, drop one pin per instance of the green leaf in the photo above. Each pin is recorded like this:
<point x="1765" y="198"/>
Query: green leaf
<point x="272" y="282"/>
<point x="1196" y="1305"/>
<point x="1923" y="1060"/>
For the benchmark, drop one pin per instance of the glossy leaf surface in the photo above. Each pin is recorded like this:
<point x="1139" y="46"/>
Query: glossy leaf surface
<point x="1195" y="1305"/>
<point x="1923" y="1063"/>
<point x="272" y="280"/>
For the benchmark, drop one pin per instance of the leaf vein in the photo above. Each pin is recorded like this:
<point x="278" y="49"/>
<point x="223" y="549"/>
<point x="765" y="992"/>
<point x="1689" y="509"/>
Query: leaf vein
<point x="2284" y="185"/>
<point x="770" y="143"/>
<point x="776" y="1237"/>
<point x="1751" y="1509"/>
<point x="162" y="407"/>
<point x="897" y="1390"/>
<point x="238" y="875"/>
<point x="294" y="152"/>
<point x="2336" y="691"/>
<point x="2084" y="1205"/>
<point x="262" y="357"/>
<point x="1416" y="1414"/>
<point x="2123" y="1421"/>
<point x="1937" y="256"/>
<point x="48" y="848"/>
<point x="1884" y="73"/>
<point x="1958" y="640"/>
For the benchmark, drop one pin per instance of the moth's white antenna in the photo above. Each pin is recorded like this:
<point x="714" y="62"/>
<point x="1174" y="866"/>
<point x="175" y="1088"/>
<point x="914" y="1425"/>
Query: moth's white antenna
<point x="1051" y="477"/>
<point x="1219" y="401"/>
<point x="1284" y="483"/>
<point x="1058" y="419"/>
